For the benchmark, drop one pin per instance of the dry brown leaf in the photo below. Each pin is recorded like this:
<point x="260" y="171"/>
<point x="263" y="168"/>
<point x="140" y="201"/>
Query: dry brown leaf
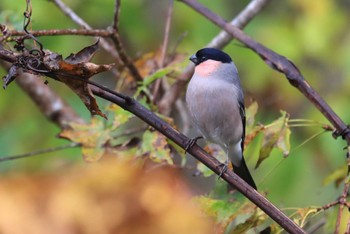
<point x="77" y="66"/>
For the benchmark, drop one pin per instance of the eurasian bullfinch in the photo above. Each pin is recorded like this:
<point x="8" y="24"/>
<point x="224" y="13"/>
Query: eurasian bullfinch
<point x="215" y="102"/>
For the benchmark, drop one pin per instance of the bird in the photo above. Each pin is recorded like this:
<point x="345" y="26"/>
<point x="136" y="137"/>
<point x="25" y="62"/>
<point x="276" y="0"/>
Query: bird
<point x="215" y="102"/>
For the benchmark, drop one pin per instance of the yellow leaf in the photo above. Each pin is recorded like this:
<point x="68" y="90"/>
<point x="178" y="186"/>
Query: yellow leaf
<point x="121" y="116"/>
<point x="92" y="137"/>
<point x="156" y="146"/>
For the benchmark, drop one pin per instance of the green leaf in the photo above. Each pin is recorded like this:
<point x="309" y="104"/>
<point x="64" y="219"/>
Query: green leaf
<point x="155" y="145"/>
<point x="219" y="209"/>
<point x="229" y="211"/>
<point x="276" y="135"/>
<point x="143" y="85"/>
<point x="156" y="75"/>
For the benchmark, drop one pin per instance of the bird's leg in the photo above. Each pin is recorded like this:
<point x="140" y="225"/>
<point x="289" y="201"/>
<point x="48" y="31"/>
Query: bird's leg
<point x="224" y="168"/>
<point x="224" y="165"/>
<point x="191" y="142"/>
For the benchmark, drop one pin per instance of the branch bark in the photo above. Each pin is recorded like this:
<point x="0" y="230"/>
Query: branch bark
<point x="61" y="32"/>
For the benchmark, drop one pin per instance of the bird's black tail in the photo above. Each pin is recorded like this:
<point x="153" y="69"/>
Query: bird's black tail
<point x="243" y="172"/>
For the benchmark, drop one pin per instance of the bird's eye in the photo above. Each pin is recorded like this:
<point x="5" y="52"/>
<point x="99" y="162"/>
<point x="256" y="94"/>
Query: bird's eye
<point x="204" y="58"/>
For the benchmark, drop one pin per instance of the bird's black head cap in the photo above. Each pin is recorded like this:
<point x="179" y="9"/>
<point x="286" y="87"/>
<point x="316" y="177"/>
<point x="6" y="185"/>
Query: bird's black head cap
<point x="210" y="53"/>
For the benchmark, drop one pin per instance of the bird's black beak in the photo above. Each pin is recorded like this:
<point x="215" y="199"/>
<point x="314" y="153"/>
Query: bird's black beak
<point x="194" y="59"/>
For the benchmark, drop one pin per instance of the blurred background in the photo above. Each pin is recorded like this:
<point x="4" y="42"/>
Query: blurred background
<point x="312" y="34"/>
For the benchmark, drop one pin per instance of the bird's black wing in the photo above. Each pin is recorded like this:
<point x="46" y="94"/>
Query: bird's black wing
<point x="242" y="170"/>
<point x="242" y="112"/>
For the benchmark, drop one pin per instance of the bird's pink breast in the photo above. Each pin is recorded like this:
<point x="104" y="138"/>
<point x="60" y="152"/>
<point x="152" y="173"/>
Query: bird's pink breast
<point x="205" y="69"/>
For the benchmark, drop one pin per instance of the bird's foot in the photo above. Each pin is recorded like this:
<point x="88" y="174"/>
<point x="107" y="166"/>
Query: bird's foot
<point x="224" y="167"/>
<point x="191" y="143"/>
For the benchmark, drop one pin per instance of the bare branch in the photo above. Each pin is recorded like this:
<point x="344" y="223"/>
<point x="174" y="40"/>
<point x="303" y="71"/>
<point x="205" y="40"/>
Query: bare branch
<point x="36" y="153"/>
<point x="164" y="48"/>
<point x="119" y="45"/>
<point x="7" y="55"/>
<point x="115" y="24"/>
<point x="61" y="32"/>
<point x="166" y="33"/>
<point x="342" y="204"/>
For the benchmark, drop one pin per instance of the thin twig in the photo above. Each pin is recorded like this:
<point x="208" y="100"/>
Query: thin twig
<point x="79" y="21"/>
<point x="342" y="203"/>
<point x="219" y="42"/>
<point x="115" y="24"/>
<point x="61" y="32"/>
<point x="166" y="33"/>
<point x="36" y="153"/>
<point x="164" y="48"/>
<point x="119" y="45"/>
